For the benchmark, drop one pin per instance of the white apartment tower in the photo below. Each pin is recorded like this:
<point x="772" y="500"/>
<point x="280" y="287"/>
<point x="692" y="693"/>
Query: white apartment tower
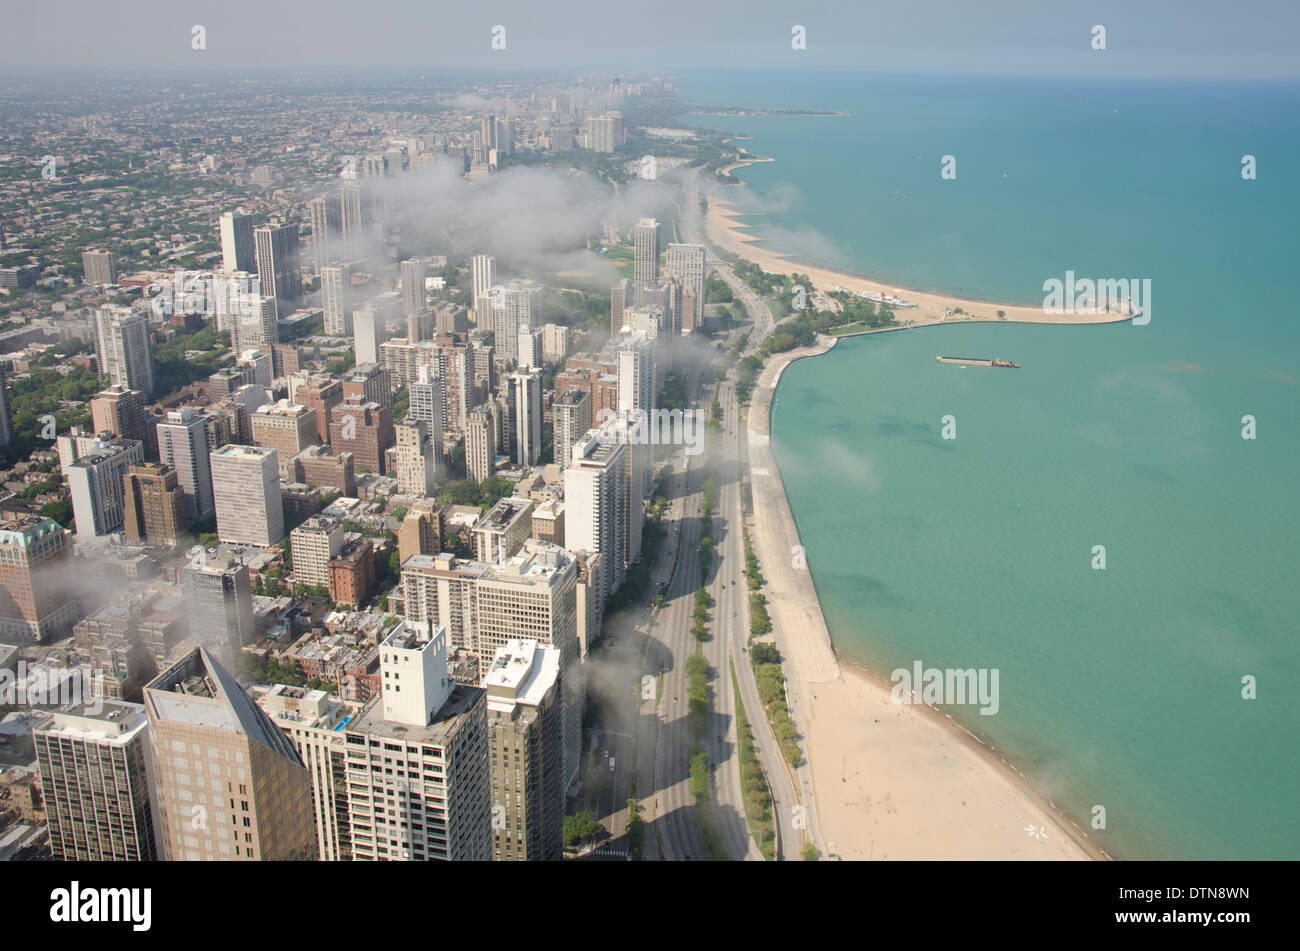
<point x="125" y="348"/>
<point x="246" y="493"/>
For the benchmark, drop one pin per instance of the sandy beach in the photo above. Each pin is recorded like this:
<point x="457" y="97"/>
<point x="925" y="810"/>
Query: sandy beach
<point x="888" y="781"/>
<point x="727" y="230"/>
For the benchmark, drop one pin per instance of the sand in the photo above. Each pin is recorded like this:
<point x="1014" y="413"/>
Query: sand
<point x="887" y="781"/>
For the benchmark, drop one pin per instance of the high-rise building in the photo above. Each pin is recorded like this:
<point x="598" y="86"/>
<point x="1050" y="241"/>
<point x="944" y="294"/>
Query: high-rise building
<point x="480" y="444"/>
<point x="185" y="445"/>
<point x="421" y="531"/>
<point x="255" y="326"/>
<point x="99" y="267"/>
<point x="363" y="428"/>
<point x="526" y="745"/>
<point x="336" y="299"/>
<point x="413" y="299"/>
<point x="125" y="348"/>
<point x="426" y="402"/>
<point x="96" y="485"/>
<point x="419" y="459"/>
<point x="526" y="412"/>
<point x="314" y="721"/>
<point x="605" y="133"/>
<point x="484" y="275"/>
<point x="238" y="252"/>
<point x="352" y="572"/>
<point x="636" y="373"/>
<point x="38" y="600"/>
<point x="645" y="262"/>
<point x="277" y="265"/>
<point x="326" y="228"/>
<point x="515" y="305"/>
<point x="556" y="342"/>
<point x="94" y="784"/>
<point x="251" y="800"/>
<point x="502" y="530"/>
<point x="530" y="349"/>
<point x="356" y="216"/>
<point x="246" y="494"/>
<point x="531" y="595"/>
<point x="286" y="428"/>
<point x="317" y="466"/>
<point x="440" y="809"/>
<point x="597" y="503"/>
<point x="688" y="263"/>
<point x="219" y="597"/>
<point x="122" y="412"/>
<point x="368" y="335"/>
<point x="314" y="543"/>
<point x="370" y="382"/>
<point x="572" y="415"/>
<point x="153" y="503"/>
<point x="320" y="394"/>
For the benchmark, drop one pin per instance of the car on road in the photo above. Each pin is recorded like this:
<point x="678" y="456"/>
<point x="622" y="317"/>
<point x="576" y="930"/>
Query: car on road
<point x="611" y="764"/>
<point x="674" y="699"/>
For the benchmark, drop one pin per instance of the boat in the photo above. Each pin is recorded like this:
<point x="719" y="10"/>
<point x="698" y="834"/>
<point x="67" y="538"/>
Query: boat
<point x="978" y="362"/>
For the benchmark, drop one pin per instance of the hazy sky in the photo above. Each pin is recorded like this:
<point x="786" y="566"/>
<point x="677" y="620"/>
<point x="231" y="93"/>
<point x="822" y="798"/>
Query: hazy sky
<point x="1210" y="38"/>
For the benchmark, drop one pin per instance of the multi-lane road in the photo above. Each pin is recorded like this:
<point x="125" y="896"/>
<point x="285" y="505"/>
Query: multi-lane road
<point x="646" y="730"/>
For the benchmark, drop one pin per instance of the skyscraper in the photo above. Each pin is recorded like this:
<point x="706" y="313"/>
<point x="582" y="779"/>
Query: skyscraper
<point x="368" y="335"/>
<point x="38" y="599"/>
<point x="440" y="809"/>
<point x="419" y="459"/>
<point x="246" y="495"/>
<point x="122" y="412"/>
<point x="96" y="484"/>
<point x="237" y="248"/>
<point x="485" y="276"/>
<point x="688" y="263"/>
<point x="526" y="410"/>
<point x="153" y="505"/>
<point x="526" y="744"/>
<point x="277" y="265"/>
<point x="326" y="228"/>
<point x="252" y="799"/>
<point x="636" y="373"/>
<point x="125" y="348"/>
<point x="515" y="305"/>
<point x="183" y="444"/>
<point x="336" y="299"/>
<point x="596" y="503"/>
<point x="572" y="416"/>
<point x="286" y="428"/>
<point x="480" y="445"/>
<point x="356" y="218"/>
<point x="255" y="326"/>
<point x="99" y="267"/>
<point x="219" y="597"/>
<point x="94" y="784"/>
<point x="413" y="299"/>
<point x="646" y="251"/>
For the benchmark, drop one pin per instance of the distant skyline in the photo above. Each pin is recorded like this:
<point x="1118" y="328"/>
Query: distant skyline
<point x="1158" y="38"/>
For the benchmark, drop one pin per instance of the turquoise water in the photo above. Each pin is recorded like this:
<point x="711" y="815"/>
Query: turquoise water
<point x="1119" y="687"/>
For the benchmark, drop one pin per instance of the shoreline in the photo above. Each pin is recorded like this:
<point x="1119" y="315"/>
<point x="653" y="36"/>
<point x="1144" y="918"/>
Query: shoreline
<point x="913" y="783"/>
<point x="725" y="228"/>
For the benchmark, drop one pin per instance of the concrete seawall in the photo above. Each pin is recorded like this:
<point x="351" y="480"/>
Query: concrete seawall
<point x="796" y="613"/>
